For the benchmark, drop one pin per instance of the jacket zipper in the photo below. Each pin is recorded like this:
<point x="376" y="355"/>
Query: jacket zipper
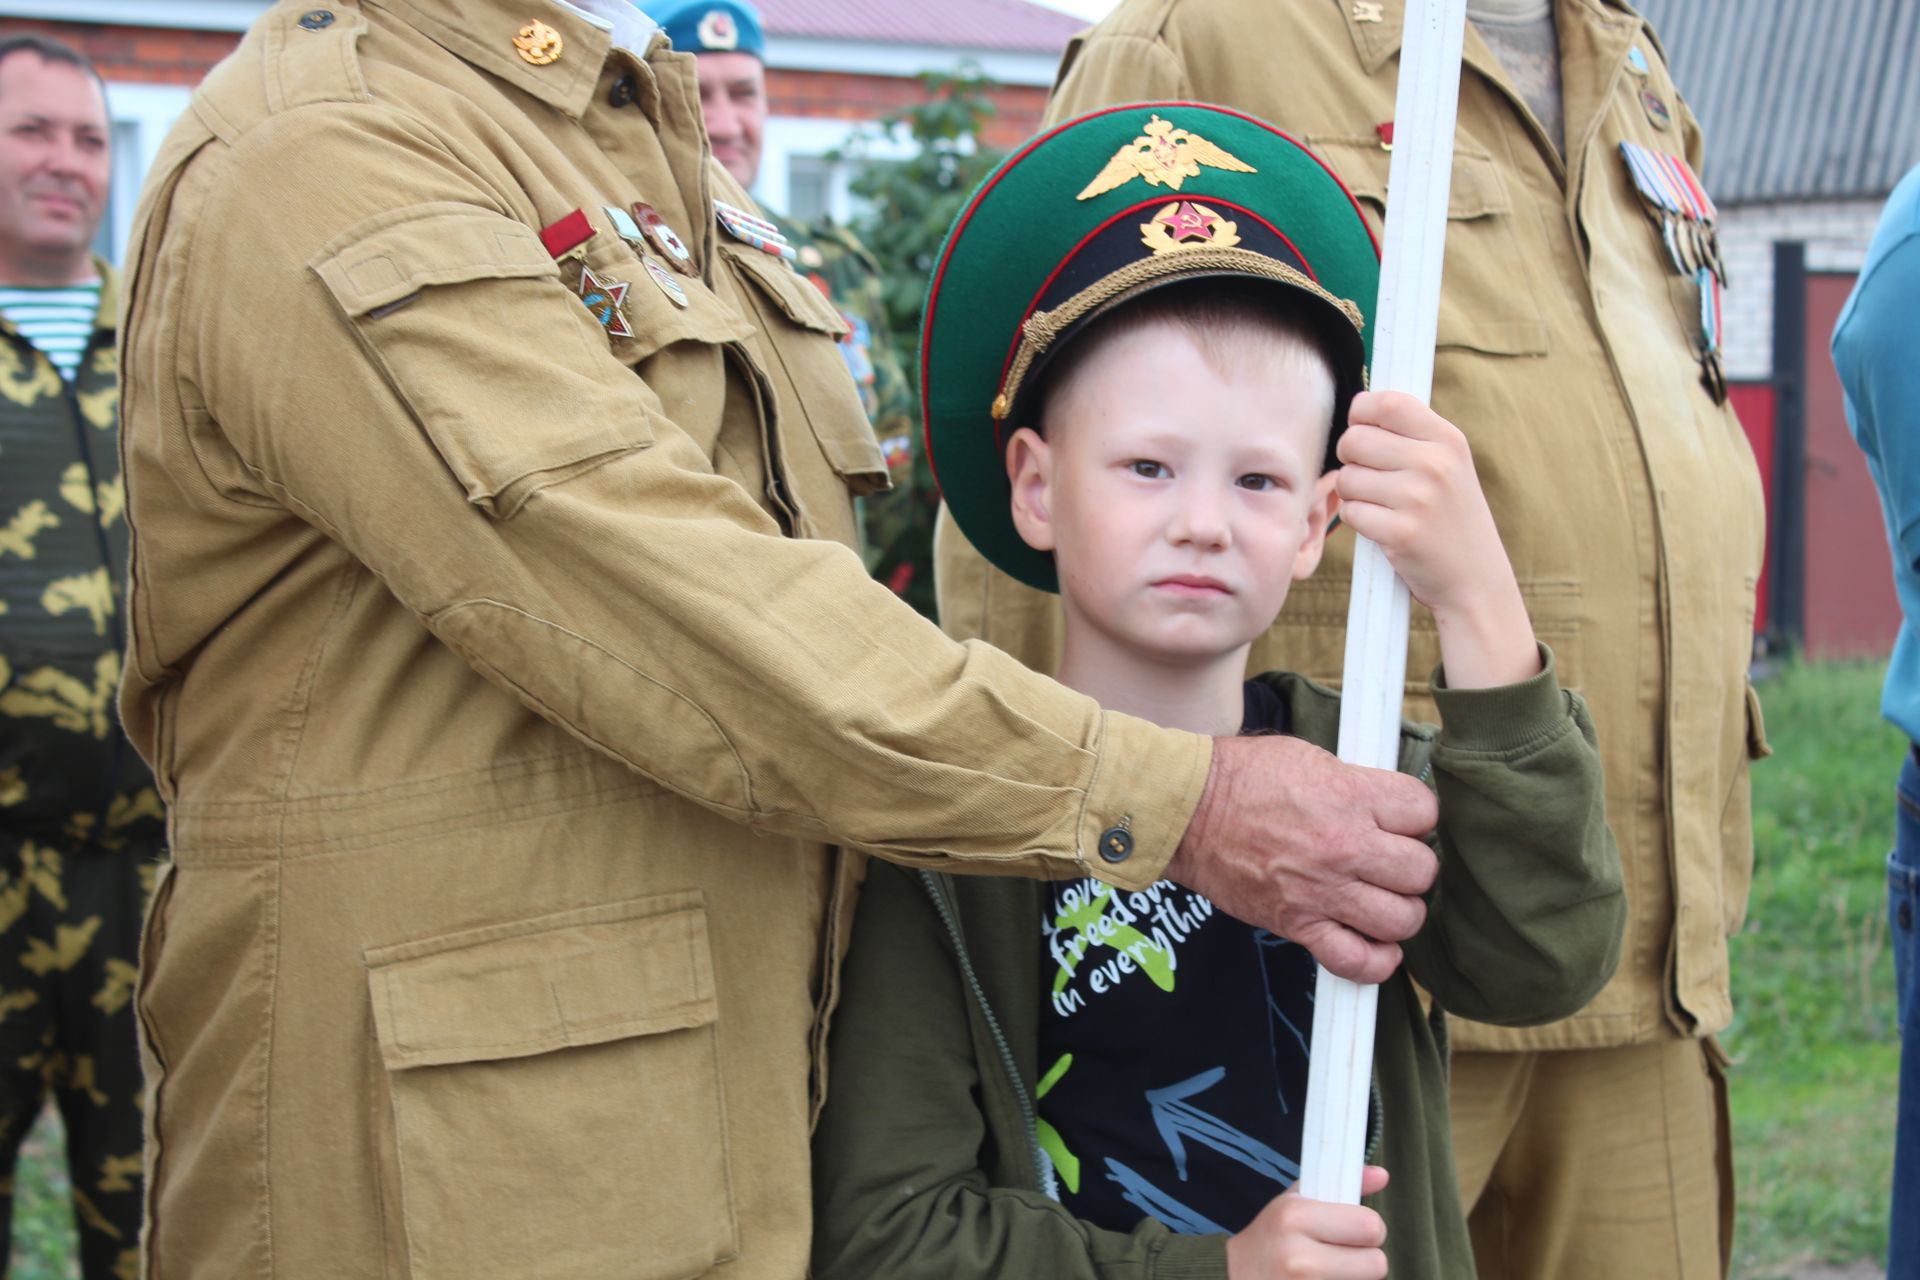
<point x="1043" y="1169"/>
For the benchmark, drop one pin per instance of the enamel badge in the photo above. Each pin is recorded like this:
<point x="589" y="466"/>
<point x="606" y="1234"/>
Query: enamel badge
<point x="717" y="31"/>
<point x="664" y="237"/>
<point x="538" y="44"/>
<point x="676" y="293"/>
<point x="604" y="297"/>
<point x="1186" y="225"/>
<point x="1165" y="156"/>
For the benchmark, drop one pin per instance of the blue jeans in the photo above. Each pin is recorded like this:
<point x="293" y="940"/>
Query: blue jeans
<point x="1903" y="919"/>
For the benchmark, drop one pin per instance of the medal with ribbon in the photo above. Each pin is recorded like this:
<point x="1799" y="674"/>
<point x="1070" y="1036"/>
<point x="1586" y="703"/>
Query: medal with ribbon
<point x="752" y="229"/>
<point x="604" y="296"/>
<point x="1688" y="220"/>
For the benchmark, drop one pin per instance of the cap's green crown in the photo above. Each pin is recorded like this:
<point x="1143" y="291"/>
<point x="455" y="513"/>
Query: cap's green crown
<point x="1087" y="217"/>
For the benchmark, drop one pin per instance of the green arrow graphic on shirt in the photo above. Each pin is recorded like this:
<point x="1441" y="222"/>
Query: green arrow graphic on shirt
<point x="1065" y="1163"/>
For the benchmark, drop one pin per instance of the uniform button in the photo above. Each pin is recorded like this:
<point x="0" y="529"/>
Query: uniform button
<point x="623" y="91"/>
<point x="317" y="19"/>
<point x="1116" y="844"/>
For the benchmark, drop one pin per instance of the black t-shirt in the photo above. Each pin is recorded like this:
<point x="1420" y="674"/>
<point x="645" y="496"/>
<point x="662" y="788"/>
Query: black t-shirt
<point x="1173" y="1049"/>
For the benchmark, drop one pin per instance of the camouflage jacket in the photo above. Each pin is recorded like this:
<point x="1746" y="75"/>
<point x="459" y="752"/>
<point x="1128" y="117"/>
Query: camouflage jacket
<point x="64" y="763"/>
<point x="898" y="525"/>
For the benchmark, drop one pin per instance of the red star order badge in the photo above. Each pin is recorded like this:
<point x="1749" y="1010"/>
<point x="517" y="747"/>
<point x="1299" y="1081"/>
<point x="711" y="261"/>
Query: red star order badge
<point x="1187" y="221"/>
<point x="604" y="298"/>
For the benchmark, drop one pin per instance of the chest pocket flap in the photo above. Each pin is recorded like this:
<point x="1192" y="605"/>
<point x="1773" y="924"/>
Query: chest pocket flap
<point x="823" y="388"/>
<point x="505" y="369"/>
<point x="1484" y="305"/>
<point x="800" y="301"/>
<point x="433" y="245"/>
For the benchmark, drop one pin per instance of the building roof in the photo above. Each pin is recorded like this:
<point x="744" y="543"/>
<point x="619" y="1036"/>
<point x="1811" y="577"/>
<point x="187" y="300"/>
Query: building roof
<point x="1004" y="25"/>
<point x="1800" y="99"/>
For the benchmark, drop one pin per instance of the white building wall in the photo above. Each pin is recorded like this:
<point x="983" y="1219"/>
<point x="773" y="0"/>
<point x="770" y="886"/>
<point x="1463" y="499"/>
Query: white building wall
<point x="1836" y="233"/>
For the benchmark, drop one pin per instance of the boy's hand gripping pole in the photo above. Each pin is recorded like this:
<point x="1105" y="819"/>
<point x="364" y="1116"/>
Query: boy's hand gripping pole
<point x="1340" y="1068"/>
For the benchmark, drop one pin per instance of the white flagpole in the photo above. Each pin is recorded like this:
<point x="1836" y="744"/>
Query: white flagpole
<point x="1406" y="317"/>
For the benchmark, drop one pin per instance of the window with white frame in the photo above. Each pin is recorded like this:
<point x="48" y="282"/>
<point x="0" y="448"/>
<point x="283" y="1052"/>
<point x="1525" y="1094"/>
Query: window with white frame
<point x="141" y="115"/>
<point x="804" y="173"/>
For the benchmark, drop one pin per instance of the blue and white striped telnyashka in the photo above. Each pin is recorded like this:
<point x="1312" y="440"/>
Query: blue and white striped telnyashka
<point x="58" y="322"/>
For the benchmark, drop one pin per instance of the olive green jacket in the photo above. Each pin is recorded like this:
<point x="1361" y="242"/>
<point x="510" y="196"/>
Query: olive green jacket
<point x="1628" y="498"/>
<point x="925" y="1162"/>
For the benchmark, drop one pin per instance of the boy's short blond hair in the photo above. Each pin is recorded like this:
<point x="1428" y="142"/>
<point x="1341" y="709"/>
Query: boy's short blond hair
<point x="1228" y="319"/>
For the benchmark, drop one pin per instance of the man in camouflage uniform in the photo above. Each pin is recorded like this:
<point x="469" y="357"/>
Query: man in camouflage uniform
<point x="80" y="823"/>
<point x="727" y="37"/>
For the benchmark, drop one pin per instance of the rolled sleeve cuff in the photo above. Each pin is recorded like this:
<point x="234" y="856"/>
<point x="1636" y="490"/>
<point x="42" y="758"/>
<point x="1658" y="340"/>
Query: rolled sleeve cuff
<point x="1504" y="718"/>
<point x="1190" y="1258"/>
<point x="1146" y="784"/>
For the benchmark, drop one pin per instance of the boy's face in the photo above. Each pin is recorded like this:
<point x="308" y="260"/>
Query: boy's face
<point x="1181" y="497"/>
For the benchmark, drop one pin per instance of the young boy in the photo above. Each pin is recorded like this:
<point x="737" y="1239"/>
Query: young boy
<point x="1140" y="395"/>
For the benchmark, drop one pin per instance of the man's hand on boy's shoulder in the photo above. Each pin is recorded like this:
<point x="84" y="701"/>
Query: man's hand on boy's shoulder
<point x="1326" y="854"/>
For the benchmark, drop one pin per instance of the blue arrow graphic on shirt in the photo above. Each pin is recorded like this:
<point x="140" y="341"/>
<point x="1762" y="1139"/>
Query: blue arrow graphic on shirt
<point x="1155" y="1203"/>
<point x="1180" y="1121"/>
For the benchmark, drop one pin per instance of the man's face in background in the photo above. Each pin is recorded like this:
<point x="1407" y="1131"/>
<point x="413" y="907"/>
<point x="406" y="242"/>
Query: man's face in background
<point x="54" y="162"/>
<point x="733" y="99"/>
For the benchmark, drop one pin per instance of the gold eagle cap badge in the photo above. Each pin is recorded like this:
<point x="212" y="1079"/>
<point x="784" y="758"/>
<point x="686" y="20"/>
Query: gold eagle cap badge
<point x="1165" y="156"/>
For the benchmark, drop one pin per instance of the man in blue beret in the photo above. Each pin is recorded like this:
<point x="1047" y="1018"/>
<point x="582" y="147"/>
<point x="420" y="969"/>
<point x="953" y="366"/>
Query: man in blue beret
<point x="730" y="44"/>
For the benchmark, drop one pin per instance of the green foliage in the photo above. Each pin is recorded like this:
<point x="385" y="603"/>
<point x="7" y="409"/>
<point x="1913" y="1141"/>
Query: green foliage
<point x="910" y="204"/>
<point x="45" y="1242"/>
<point x="1814" y="1038"/>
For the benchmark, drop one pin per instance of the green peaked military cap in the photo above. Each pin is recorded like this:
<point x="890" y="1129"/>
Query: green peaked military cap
<point x="1090" y="215"/>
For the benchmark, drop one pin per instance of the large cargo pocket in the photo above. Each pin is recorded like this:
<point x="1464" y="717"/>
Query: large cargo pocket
<point x="1484" y="305"/>
<point x="499" y="362"/>
<point x="556" y="1095"/>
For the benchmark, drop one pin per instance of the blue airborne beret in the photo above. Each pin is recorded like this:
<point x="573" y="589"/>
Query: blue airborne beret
<point x="709" y="26"/>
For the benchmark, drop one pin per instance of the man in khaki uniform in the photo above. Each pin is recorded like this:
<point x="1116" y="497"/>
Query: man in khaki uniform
<point x="1571" y="352"/>
<point x="501" y="651"/>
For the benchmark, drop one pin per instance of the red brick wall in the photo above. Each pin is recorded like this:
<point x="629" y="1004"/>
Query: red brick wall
<point x="154" y="55"/>
<point x="147" y="55"/>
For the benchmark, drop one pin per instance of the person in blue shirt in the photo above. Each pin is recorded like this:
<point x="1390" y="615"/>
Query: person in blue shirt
<point x="1873" y="350"/>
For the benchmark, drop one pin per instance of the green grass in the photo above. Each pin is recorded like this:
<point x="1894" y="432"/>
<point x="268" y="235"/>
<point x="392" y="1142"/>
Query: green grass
<point x="1813" y="1037"/>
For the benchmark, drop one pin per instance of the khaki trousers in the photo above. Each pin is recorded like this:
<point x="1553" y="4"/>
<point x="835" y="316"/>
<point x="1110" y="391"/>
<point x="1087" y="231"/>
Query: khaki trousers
<point x="1596" y="1164"/>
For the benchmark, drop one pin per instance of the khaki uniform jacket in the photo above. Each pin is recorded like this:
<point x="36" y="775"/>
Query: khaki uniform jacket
<point x="1629" y="500"/>
<point x="507" y="679"/>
